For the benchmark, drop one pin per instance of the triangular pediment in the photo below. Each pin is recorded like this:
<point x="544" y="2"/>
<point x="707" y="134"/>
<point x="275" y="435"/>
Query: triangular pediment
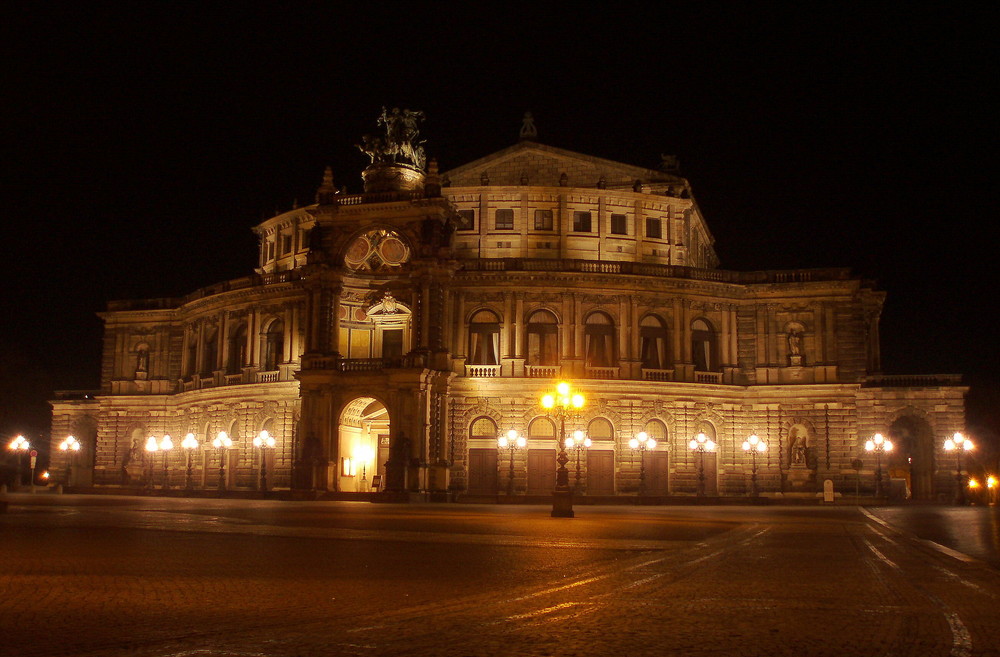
<point x="531" y="163"/>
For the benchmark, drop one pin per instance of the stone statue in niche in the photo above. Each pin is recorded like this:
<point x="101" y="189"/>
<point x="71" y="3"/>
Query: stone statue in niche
<point x="794" y="338"/>
<point x="142" y="361"/>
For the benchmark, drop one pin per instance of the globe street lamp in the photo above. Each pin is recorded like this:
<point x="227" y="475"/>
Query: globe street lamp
<point x="991" y="489"/>
<point x="152" y="446"/>
<point x="699" y="445"/>
<point x="511" y="441"/>
<point x="222" y="443"/>
<point x="560" y="403"/>
<point x="754" y="444"/>
<point x="190" y="443"/>
<point x="166" y="445"/>
<point x="958" y="444"/>
<point x="71" y="445"/>
<point x="578" y="441"/>
<point x="642" y="442"/>
<point x="19" y="446"/>
<point x="878" y="445"/>
<point x="265" y="440"/>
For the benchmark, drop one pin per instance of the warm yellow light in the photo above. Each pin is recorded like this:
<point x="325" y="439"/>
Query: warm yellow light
<point x="651" y="444"/>
<point x="151" y="444"/>
<point x="364" y="453"/>
<point x="634" y="444"/>
<point x="502" y="442"/>
<point x="587" y="442"/>
<point x="887" y="446"/>
<point x="71" y="443"/>
<point x="869" y="446"/>
<point x="45" y="475"/>
<point x="578" y="436"/>
<point x="973" y="483"/>
<point x="189" y="442"/>
<point x="642" y="436"/>
<point x="967" y="445"/>
<point x="693" y="444"/>
<point x="548" y="401"/>
<point x="746" y="446"/>
<point x="578" y="401"/>
<point x="878" y="439"/>
<point x="521" y="441"/>
<point x="949" y="445"/>
<point x="222" y="440"/>
<point x="512" y="434"/>
<point x="568" y="442"/>
<point x="562" y="388"/>
<point x="762" y="446"/>
<point x="19" y="443"/>
<point x="167" y="443"/>
<point x="991" y="482"/>
<point x="753" y="439"/>
<point x="710" y="446"/>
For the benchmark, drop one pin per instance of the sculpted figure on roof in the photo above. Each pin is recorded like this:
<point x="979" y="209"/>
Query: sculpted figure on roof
<point x="400" y="143"/>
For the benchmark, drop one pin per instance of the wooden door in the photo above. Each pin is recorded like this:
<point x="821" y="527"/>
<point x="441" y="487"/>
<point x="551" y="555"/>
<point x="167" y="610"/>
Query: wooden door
<point x="601" y="472"/>
<point x="482" y="471"/>
<point x="709" y="461"/>
<point x="657" y="472"/>
<point x="541" y="471"/>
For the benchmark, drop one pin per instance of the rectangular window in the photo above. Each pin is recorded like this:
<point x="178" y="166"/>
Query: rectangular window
<point x="619" y="224"/>
<point x="543" y="219"/>
<point x="286" y="244"/>
<point x="466" y="220"/>
<point x="581" y="222"/>
<point x="505" y="220"/>
<point x="653" y="228"/>
<point x="270" y="251"/>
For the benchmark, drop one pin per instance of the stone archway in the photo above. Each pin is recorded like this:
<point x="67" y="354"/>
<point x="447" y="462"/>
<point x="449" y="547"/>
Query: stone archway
<point x="363" y="445"/>
<point x="912" y="457"/>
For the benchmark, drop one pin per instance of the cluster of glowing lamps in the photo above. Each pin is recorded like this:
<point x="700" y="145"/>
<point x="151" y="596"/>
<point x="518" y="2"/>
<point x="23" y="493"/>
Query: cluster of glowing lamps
<point x="959" y="444"/>
<point x="642" y="442"/>
<point x="72" y="446"/>
<point x="19" y="446"/>
<point x="222" y="442"/>
<point x="754" y="445"/>
<point x="265" y="441"/>
<point x="699" y="445"/>
<point x="164" y="445"/>
<point x="511" y="441"/>
<point x="560" y="403"/>
<point x="878" y="445"/>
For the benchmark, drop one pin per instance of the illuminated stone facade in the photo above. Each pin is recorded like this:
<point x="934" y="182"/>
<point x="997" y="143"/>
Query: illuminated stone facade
<point x="395" y="333"/>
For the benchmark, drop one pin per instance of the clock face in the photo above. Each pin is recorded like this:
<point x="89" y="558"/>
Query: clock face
<point x="376" y="250"/>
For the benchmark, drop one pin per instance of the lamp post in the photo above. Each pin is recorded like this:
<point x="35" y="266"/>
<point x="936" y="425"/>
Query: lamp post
<point x="265" y="440"/>
<point x="560" y="403"/>
<point x="222" y="442"/>
<point x="71" y="445"/>
<point x="190" y="443"/>
<point x="754" y="444"/>
<point x="958" y="444"/>
<point x="363" y="454"/>
<point x="878" y="445"/>
<point x="699" y="445"/>
<point x="579" y="442"/>
<point x="991" y="489"/>
<point x="19" y="446"/>
<point x="152" y="446"/>
<point x="642" y="442"/>
<point x="511" y="441"/>
<point x="166" y="445"/>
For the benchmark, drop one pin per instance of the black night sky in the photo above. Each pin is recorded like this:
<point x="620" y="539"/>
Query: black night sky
<point x="141" y="142"/>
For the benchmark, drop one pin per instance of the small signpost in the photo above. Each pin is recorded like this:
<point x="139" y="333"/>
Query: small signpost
<point x="34" y="461"/>
<point x="828" y="491"/>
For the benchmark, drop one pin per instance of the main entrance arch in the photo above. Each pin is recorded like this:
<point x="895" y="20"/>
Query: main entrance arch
<point x="363" y="444"/>
<point x="913" y="455"/>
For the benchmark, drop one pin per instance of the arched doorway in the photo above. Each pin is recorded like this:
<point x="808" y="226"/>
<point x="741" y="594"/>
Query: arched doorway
<point x="912" y="457"/>
<point x="363" y="444"/>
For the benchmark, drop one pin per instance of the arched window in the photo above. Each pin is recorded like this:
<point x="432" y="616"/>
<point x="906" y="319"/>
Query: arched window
<point x="600" y="429"/>
<point x="209" y="352"/>
<point x="704" y="349"/>
<point x="599" y="334"/>
<point x="541" y="432"/>
<point x="653" y="347"/>
<point x="483" y="429"/>
<point x="273" y="346"/>
<point x="191" y="367"/>
<point x="237" y="349"/>
<point x="484" y="339"/>
<point x="656" y="430"/>
<point x="543" y="338"/>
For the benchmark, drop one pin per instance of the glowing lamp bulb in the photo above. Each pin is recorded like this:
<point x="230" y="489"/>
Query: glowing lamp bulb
<point x="634" y="444"/>
<point x="563" y="388"/>
<point x="151" y="444"/>
<point x="651" y="443"/>
<point x="578" y="401"/>
<point x="502" y="442"/>
<point x="548" y="401"/>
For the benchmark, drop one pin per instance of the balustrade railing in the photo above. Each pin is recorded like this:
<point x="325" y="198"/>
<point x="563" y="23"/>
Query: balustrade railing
<point x="912" y="380"/>
<point x="708" y="377"/>
<point x="657" y="375"/>
<point x="542" y="371"/>
<point x="482" y="370"/>
<point x="267" y="377"/>
<point x="602" y="372"/>
<point x="234" y="379"/>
